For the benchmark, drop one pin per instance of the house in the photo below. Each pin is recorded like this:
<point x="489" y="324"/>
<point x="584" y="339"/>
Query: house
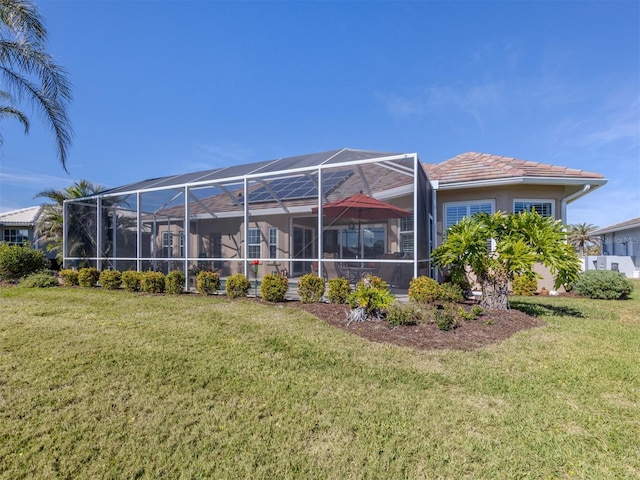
<point x="222" y="219"/>
<point x="19" y="226"/>
<point x="620" y="247"/>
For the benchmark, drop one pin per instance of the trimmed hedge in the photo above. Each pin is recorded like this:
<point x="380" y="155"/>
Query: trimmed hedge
<point x="603" y="284"/>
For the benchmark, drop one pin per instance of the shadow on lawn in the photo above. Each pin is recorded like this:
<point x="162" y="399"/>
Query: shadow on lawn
<point x="540" y="309"/>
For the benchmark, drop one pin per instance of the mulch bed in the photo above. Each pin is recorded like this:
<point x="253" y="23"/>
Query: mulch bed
<point x="493" y="326"/>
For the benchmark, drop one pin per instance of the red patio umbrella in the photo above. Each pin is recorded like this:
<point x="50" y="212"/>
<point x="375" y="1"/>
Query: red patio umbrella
<point x="362" y="206"/>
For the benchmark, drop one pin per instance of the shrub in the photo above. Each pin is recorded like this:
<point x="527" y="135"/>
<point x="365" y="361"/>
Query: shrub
<point x="400" y="314"/>
<point x="111" y="279"/>
<point x="477" y="310"/>
<point x="237" y="286"/>
<point x="207" y="282"/>
<point x="424" y="290"/>
<point x="17" y="261"/>
<point x="131" y="280"/>
<point x="311" y="288"/>
<point x="39" y="280"/>
<point x="371" y="297"/>
<point x="274" y="287"/>
<point x="445" y="317"/>
<point x="524" y="285"/>
<point x="69" y="277"/>
<point x="603" y="284"/>
<point x="152" y="282"/>
<point x="174" y="282"/>
<point x="450" y="292"/>
<point x="88" y="277"/>
<point x="339" y="290"/>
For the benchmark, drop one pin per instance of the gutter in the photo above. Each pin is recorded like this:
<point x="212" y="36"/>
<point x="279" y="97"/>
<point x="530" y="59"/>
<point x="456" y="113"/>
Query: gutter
<point x="574" y="196"/>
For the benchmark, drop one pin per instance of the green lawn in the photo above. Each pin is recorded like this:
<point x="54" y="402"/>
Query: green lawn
<point x="103" y="384"/>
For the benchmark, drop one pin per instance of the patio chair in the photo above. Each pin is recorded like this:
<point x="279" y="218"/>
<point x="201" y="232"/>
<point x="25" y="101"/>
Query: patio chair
<point x="389" y="271"/>
<point x="332" y="269"/>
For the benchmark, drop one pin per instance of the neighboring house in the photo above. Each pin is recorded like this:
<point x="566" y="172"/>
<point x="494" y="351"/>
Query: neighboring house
<point x="142" y="225"/>
<point x="19" y="226"/>
<point x="620" y="247"/>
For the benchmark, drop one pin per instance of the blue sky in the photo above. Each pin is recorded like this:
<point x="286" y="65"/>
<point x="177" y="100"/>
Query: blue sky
<point x="176" y="86"/>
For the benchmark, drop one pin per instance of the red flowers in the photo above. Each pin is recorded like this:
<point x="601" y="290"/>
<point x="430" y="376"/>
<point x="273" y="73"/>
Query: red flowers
<point x="255" y="262"/>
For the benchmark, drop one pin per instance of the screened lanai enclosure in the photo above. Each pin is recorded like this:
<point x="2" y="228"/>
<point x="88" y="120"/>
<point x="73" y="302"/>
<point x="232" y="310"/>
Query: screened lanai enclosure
<point x="284" y="213"/>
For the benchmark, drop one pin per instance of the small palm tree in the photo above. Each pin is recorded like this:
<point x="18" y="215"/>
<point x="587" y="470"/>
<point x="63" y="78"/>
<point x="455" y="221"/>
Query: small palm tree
<point x="28" y="71"/>
<point x="51" y="221"/>
<point x="580" y="237"/>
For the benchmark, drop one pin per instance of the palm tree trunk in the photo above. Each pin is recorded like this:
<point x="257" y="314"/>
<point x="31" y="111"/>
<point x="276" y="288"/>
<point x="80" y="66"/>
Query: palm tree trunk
<point x="495" y="291"/>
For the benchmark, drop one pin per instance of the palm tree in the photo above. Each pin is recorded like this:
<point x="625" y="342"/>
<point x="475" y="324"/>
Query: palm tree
<point x="51" y="221"/>
<point x="28" y="71"/>
<point x="580" y="236"/>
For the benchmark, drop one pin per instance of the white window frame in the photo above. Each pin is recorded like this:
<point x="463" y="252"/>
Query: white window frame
<point x="530" y="201"/>
<point x="273" y="242"/>
<point x="402" y="234"/>
<point x="167" y="244"/>
<point x="468" y="204"/>
<point x="251" y="232"/>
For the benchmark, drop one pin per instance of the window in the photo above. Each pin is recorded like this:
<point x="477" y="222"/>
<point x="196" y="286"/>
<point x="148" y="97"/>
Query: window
<point x="167" y="244"/>
<point x="454" y="212"/>
<point x="216" y="250"/>
<point x="406" y="234"/>
<point x="543" y="207"/>
<point x="16" y="236"/>
<point x="273" y="242"/>
<point x="254" y="243"/>
<point x="181" y="240"/>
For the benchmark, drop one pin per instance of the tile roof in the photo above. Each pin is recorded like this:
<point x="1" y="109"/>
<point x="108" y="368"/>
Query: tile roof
<point x="24" y="216"/>
<point x="474" y="166"/>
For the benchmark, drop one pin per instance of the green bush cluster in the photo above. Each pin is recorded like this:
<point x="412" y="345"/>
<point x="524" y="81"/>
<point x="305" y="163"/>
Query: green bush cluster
<point x="274" y="287"/>
<point x="207" y="282"/>
<point x="152" y="282"/>
<point x="237" y="286"/>
<point x="371" y="296"/>
<point x="174" y="282"/>
<point x="427" y="290"/>
<point x="40" y="279"/>
<point x="311" y="288"/>
<point x="603" y="284"/>
<point x="524" y="285"/>
<point x="69" y="277"/>
<point x="88" y="277"/>
<point x="131" y="280"/>
<point x="400" y="314"/>
<point x="17" y="261"/>
<point x="111" y="279"/>
<point x="446" y="316"/>
<point x="339" y="290"/>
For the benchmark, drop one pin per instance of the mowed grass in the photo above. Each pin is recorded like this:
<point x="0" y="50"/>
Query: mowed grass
<point x="100" y="384"/>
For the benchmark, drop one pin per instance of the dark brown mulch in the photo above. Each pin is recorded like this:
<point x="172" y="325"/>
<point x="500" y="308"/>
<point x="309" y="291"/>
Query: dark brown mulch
<point x="492" y="327"/>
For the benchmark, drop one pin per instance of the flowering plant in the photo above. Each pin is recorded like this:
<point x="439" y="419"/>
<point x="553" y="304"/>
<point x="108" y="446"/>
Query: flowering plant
<point x="256" y="264"/>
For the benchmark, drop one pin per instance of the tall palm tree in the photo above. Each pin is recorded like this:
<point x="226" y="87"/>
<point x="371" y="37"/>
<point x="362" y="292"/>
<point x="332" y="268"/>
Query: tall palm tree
<point x="51" y="221"/>
<point x="580" y="237"/>
<point x="29" y="72"/>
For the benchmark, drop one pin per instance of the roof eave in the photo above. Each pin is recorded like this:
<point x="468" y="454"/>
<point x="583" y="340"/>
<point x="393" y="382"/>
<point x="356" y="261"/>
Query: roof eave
<point x="521" y="180"/>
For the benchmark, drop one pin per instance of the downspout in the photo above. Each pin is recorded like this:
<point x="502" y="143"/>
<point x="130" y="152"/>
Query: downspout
<point x="566" y="200"/>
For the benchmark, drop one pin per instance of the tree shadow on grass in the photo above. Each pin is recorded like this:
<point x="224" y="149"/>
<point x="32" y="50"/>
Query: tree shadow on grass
<point x="541" y="309"/>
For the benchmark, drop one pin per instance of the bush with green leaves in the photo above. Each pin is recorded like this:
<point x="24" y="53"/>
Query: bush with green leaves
<point x="207" y="282"/>
<point x="603" y="284"/>
<point x="69" y="277"/>
<point x="237" y="285"/>
<point x="131" y="280"/>
<point x="17" y="261"/>
<point x="110" y="279"/>
<point x="450" y="292"/>
<point x="524" y="285"/>
<point x="371" y="298"/>
<point x="39" y="280"/>
<point x="446" y="316"/>
<point x="400" y="314"/>
<point x="88" y="277"/>
<point x="152" y="282"/>
<point x="424" y="290"/>
<point x="311" y="288"/>
<point x="339" y="290"/>
<point x="174" y="282"/>
<point x="274" y="287"/>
